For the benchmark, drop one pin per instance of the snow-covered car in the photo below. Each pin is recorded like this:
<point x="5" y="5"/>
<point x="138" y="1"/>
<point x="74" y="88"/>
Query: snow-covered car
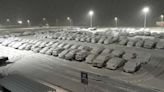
<point x="82" y="39"/>
<point x="62" y="45"/>
<point x="55" y="44"/>
<point x="101" y="41"/>
<point x="28" y="47"/>
<point x="63" y="53"/>
<point x="6" y="42"/>
<point x="43" y="44"/>
<point x="149" y="44"/>
<point x="57" y="51"/>
<point x="38" y="43"/>
<point x="17" y="45"/>
<point x="123" y="42"/>
<point x="37" y="49"/>
<point x="84" y="48"/>
<point x="81" y="55"/>
<point x="43" y="50"/>
<point x="106" y="51"/>
<point x="11" y="44"/>
<point x="71" y="54"/>
<point x="129" y="55"/>
<point x="49" y="51"/>
<point x="115" y="63"/>
<point x="160" y="45"/>
<point x="97" y="50"/>
<point x="94" y="40"/>
<point x="74" y="46"/>
<point x="67" y="46"/>
<point x="115" y="39"/>
<point x="89" y="59"/>
<point x="100" y="61"/>
<point x="131" y="43"/>
<point x="77" y="38"/>
<point x="88" y="39"/>
<point x="118" y="53"/>
<point x="132" y="66"/>
<point x="139" y="43"/>
<point x="50" y="43"/>
<point x="23" y="46"/>
<point x="108" y="41"/>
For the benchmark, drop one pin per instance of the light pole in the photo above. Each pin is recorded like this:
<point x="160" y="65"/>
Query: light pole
<point x="145" y="11"/>
<point x="70" y="21"/>
<point x="116" y="21"/>
<point x="8" y="21"/>
<point x="91" y="13"/>
<point x="29" y="22"/>
<point x="45" y="22"/>
<point x="162" y="18"/>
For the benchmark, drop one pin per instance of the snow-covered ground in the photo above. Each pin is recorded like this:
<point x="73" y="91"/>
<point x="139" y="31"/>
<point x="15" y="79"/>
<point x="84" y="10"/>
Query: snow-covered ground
<point x="49" y="69"/>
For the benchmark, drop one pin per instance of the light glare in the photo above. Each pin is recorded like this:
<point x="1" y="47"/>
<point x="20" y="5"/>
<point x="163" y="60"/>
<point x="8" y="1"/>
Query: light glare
<point x="20" y="22"/>
<point x="146" y="9"/>
<point x="8" y="20"/>
<point x="115" y="18"/>
<point x="28" y="21"/>
<point x="68" y="18"/>
<point x="91" y="13"/>
<point x="44" y="19"/>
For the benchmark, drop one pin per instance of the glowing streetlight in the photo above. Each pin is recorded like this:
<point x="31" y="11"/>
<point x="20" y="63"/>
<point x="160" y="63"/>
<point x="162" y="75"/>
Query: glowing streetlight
<point x="29" y="22"/>
<point x="145" y="11"/>
<point x="45" y="22"/>
<point x="8" y="20"/>
<point x="44" y="19"/>
<point x="20" y="22"/>
<point x="116" y="21"/>
<point x="70" y="20"/>
<point x="91" y="13"/>
<point x="162" y="18"/>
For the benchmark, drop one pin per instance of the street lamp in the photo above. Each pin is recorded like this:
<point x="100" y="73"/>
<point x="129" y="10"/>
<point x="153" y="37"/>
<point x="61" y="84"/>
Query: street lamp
<point x="44" y="19"/>
<point x="70" y="20"/>
<point x="20" y="22"/>
<point x="29" y="22"/>
<point x="45" y="22"/>
<point x="116" y="21"/>
<point x="91" y="13"/>
<point x="162" y="18"/>
<point x="8" y="20"/>
<point x="145" y="11"/>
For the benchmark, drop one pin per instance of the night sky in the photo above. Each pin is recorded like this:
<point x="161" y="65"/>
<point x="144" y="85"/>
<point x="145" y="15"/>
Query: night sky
<point x="128" y="11"/>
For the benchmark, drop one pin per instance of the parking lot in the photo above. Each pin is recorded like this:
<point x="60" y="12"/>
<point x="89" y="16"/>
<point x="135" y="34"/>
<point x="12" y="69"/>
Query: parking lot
<point x="131" y="57"/>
